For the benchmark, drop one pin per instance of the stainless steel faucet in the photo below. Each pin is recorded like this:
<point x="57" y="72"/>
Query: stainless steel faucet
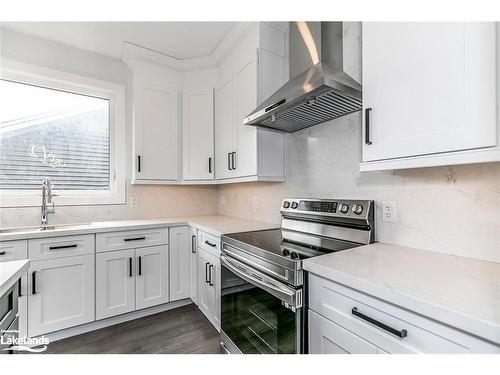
<point x="47" y="199"/>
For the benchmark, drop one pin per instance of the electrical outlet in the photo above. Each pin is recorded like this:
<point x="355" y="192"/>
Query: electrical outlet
<point x="255" y="203"/>
<point x="389" y="212"/>
<point x="133" y="202"/>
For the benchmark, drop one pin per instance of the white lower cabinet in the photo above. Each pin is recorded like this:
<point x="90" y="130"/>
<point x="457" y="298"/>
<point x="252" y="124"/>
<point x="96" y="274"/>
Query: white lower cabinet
<point x="326" y="337"/>
<point x="151" y="276"/>
<point x="209" y="286"/>
<point x="61" y="293"/>
<point x="131" y="279"/>
<point x="179" y="241"/>
<point x="115" y="283"/>
<point x="342" y="319"/>
<point x="193" y="267"/>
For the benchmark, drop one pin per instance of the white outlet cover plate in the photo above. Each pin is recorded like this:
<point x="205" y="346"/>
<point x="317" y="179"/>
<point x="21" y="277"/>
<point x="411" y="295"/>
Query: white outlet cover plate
<point x="389" y="212"/>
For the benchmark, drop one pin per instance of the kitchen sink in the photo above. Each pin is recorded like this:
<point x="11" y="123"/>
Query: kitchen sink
<point x="42" y="228"/>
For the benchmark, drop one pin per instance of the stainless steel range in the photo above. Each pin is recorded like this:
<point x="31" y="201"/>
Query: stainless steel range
<point x="262" y="280"/>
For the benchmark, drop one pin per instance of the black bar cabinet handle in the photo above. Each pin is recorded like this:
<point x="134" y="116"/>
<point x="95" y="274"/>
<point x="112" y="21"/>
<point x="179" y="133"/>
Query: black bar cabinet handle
<point x="134" y="239"/>
<point x="19" y="289"/>
<point x="140" y="266"/>
<point x="138" y="163"/>
<point x="401" y="334"/>
<point x="193" y="244"/>
<point x="229" y="161"/>
<point x="233" y="159"/>
<point x="209" y="165"/>
<point x="33" y="282"/>
<point x="2" y="253"/>
<point x="210" y="275"/>
<point x="63" y="247"/>
<point x="210" y="243"/>
<point x="130" y="267"/>
<point x="206" y="272"/>
<point x="367" y="126"/>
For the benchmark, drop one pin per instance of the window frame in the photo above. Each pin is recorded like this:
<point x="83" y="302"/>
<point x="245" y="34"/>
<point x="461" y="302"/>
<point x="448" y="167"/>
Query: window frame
<point x="68" y="82"/>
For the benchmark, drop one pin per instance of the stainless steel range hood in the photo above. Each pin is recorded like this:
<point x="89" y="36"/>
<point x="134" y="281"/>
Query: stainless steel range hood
<point x="320" y="93"/>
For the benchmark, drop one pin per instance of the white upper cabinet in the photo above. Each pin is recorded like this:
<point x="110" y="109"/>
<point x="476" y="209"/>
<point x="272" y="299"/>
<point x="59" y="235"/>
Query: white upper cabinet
<point x="248" y="75"/>
<point x="428" y="89"/>
<point x="198" y="134"/>
<point x="156" y="124"/>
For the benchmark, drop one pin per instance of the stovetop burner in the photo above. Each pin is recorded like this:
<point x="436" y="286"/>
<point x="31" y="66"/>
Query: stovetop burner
<point x="274" y="241"/>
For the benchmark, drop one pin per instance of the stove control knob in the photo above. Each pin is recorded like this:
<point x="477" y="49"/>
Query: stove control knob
<point x="357" y="209"/>
<point x="286" y="252"/>
<point x="344" y="208"/>
<point x="294" y="205"/>
<point x="286" y="204"/>
<point x="294" y="255"/>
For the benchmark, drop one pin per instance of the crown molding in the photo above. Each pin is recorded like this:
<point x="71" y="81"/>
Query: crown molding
<point x="131" y="53"/>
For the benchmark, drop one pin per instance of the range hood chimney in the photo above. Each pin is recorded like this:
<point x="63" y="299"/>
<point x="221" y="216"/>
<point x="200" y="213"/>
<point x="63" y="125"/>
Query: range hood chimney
<point x="320" y="90"/>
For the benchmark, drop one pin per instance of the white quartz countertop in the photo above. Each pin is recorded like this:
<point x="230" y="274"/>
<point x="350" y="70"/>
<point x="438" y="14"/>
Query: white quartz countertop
<point x="461" y="292"/>
<point x="213" y="224"/>
<point x="10" y="272"/>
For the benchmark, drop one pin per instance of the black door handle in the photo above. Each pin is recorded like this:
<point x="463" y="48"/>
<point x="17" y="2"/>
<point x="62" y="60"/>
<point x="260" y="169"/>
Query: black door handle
<point x="206" y="272"/>
<point x="138" y="163"/>
<point x="33" y="282"/>
<point x="130" y="267"/>
<point x="134" y="239"/>
<point x="193" y="244"/>
<point x="229" y="161"/>
<point x="140" y="266"/>
<point x="2" y="252"/>
<point x="63" y="247"/>
<point x="209" y="165"/>
<point x="210" y="244"/>
<point x="19" y="289"/>
<point x="210" y="275"/>
<point x="401" y="334"/>
<point x="367" y="126"/>
<point x="233" y="159"/>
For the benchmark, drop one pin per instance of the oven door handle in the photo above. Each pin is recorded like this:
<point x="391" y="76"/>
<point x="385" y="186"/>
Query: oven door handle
<point x="292" y="297"/>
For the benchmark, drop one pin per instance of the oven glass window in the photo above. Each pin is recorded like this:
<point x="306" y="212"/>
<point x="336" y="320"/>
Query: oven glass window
<point x="255" y="320"/>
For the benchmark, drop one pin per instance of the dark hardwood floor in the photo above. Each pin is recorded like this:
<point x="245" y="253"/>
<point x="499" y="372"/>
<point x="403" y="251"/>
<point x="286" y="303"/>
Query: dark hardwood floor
<point x="177" y="331"/>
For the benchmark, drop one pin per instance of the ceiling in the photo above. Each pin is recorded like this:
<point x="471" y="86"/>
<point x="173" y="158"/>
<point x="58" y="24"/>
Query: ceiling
<point x="177" y="39"/>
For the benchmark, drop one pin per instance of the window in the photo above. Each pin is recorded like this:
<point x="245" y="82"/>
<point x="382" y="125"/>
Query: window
<point x="62" y="130"/>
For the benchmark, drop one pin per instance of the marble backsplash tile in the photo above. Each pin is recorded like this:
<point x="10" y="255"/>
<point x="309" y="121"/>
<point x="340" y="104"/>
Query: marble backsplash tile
<point x="453" y="210"/>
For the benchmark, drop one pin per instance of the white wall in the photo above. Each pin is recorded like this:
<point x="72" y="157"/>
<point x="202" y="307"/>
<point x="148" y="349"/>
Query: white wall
<point x="154" y="201"/>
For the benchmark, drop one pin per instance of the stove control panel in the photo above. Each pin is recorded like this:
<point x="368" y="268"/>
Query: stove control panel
<point x="327" y="207"/>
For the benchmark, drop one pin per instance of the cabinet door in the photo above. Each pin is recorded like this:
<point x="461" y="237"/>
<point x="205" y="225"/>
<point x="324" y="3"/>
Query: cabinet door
<point x="206" y="296"/>
<point x="225" y="131"/>
<point x="115" y="283"/>
<point x="152" y="276"/>
<point x="156" y="131"/>
<point x="198" y="135"/>
<point x="326" y="337"/>
<point x="193" y="267"/>
<point x="245" y="96"/>
<point x="63" y="293"/>
<point x="430" y="87"/>
<point x="180" y="248"/>
<point x="215" y="276"/>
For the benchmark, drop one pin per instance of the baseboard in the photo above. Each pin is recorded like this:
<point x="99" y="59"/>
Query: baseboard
<point x="98" y="324"/>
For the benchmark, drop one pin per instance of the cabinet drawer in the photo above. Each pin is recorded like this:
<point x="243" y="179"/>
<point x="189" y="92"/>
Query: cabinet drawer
<point x="13" y="250"/>
<point x="209" y="242"/>
<point x="379" y="322"/>
<point x="131" y="239"/>
<point x="326" y="337"/>
<point x="59" y="247"/>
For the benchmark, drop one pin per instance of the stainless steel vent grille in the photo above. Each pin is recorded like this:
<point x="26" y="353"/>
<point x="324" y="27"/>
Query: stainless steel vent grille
<point x="325" y="107"/>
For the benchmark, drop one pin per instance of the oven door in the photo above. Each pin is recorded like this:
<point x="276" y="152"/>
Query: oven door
<point x="258" y="313"/>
